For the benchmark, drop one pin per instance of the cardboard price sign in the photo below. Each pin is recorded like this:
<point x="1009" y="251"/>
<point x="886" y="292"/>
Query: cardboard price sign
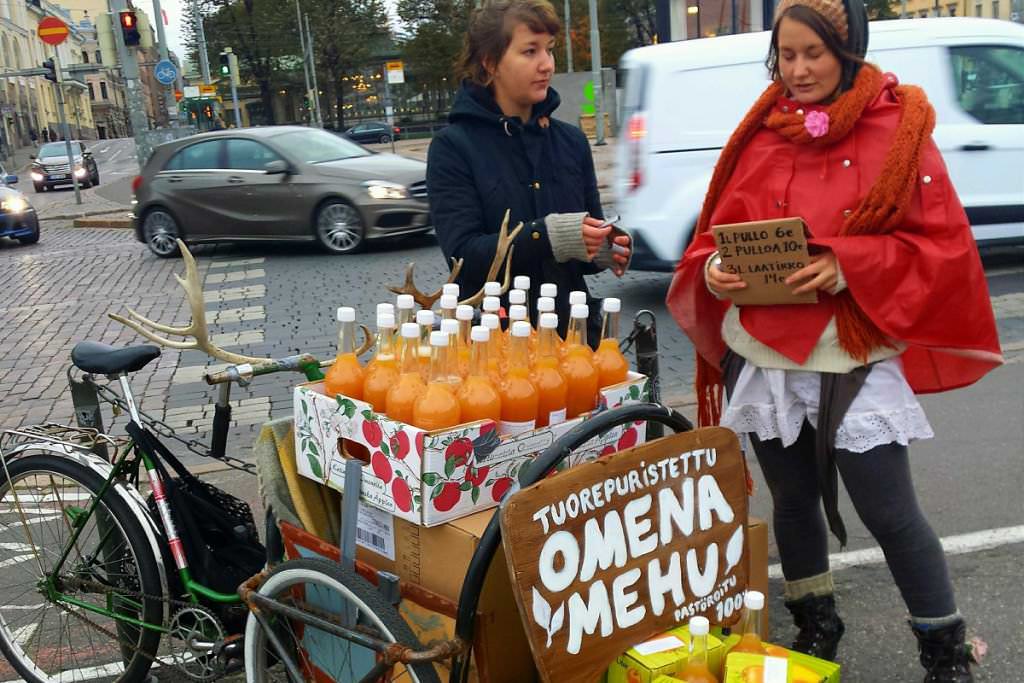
<point x="611" y="553"/>
<point x="764" y="254"/>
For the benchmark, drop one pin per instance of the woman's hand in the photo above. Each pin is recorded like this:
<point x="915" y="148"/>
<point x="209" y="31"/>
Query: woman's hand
<point x="821" y="273"/>
<point x="594" y="235"/>
<point x="721" y="283"/>
<point x="622" y="248"/>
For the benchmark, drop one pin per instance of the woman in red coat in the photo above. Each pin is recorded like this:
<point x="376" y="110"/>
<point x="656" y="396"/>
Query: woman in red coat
<point x="828" y="389"/>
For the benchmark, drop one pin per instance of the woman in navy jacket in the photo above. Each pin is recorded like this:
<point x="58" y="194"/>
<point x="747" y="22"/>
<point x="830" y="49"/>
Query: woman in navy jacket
<point x="504" y="152"/>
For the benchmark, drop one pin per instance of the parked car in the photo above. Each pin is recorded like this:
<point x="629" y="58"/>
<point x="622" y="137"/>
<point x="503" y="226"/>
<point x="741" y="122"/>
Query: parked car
<point x="272" y="183"/>
<point x="18" y="220"/>
<point x="971" y="69"/>
<point x="373" y="131"/>
<point x="50" y="166"/>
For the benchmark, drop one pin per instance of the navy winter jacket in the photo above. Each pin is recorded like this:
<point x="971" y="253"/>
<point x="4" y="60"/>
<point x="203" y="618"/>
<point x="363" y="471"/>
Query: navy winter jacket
<point x="485" y="163"/>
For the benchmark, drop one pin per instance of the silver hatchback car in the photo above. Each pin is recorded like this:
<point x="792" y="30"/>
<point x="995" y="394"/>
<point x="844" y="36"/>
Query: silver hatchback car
<point x="276" y="183"/>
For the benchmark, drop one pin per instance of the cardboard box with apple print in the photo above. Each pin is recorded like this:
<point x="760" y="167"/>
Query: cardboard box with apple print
<point x="434" y="477"/>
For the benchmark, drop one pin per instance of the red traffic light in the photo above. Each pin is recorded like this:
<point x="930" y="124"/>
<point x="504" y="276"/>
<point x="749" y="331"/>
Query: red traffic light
<point x="130" y="28"/>
<point x="128" y="20"/>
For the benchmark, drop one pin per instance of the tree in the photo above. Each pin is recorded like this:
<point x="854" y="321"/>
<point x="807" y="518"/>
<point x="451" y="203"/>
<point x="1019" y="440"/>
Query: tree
<point x="880" y="9"/>
<point x="433" y="44"/>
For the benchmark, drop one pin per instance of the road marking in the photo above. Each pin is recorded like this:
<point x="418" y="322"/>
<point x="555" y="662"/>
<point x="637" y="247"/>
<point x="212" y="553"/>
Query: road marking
<point x="960" y="544"/>
<point x="237" y="338"/>
<point x="244" y="412"/>
<point x="236" y="276"/>
<point x="237" y="262"/>
<point x="17" y="559"/>
<point x="23" y="608"/>
<point x="105" y="670"/>
<point x="16" y="547"/>
<point x="34" y="520"/>
<point x="52" y="497"/>
<point x="23" y="633"/>
<point x="236" y="315"/>
<point x="114" y="155"/>
<point x="235" y="294"/>
<point x="194" y="373"/>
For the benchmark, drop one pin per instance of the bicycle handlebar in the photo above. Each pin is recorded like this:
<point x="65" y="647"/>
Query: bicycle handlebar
<point x="243" y="373"/>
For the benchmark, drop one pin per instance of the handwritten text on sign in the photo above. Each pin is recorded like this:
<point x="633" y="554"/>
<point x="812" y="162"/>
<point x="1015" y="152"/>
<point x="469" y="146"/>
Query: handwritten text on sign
<point x="764" y="254"/>
<point x="611" y="553"/>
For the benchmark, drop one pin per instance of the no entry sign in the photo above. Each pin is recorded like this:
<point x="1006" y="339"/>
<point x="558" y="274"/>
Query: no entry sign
<point x="52" y="30"/>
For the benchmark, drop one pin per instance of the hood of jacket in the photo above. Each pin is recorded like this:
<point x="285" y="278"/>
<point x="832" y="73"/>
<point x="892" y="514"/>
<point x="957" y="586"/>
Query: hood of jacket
<point x="475" y="103"/>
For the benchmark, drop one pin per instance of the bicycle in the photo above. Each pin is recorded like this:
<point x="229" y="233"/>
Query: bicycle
<point x="85" y="554"/>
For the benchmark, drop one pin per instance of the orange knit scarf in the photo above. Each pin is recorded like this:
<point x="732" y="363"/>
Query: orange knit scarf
<point x="880" y="212"/>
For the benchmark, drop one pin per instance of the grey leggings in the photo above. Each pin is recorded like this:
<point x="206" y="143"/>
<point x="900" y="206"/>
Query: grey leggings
<point x="880" y="487"/>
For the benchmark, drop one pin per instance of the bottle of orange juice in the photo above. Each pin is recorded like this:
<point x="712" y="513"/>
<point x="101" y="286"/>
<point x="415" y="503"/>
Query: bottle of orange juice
<point x="578" y="365"/>
<point x="464" y="314"/>
<point x="491" y="304"/>
<point x="478" y="397"/>
<point x="750" y="641"/>
<point x="517" y="297"/>
<point x="492" y="288"/>
<point x="552" y="388"/>
<point x="696" y="669"/>
<point x="346" y="375"/>
<point x="450" y="289"/>
<point x="449" y="303"/>
<point x="612" y="366"/>
<point x="382" y="372"/>
<point x="545" y="305"/>
<point x="495" y="347"/>
<point x="425" y="319"/>
<point x="402" y="395"/>
<point x="437" y="407"/>
<point x="405" y="305"/>
<point x="549" y="290"/>
<point x="522" y="283"/>
<point x="517" y="313"/>
<point x="519" y="398"/>
<point x="450" y="326"/>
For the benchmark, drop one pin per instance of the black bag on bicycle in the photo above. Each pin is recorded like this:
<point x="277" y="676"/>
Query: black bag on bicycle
<point x="216" y="528"/>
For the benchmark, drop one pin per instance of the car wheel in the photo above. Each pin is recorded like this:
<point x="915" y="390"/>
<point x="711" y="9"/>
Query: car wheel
<point x="33" y="238"/>
<point x="85" y="183"/>
<point x="384" y="139"/>
<point x="339" y="227"/>
<point x="39" y="188"/>
<point x="160" y="231"/>
<point x="96" y="178"/>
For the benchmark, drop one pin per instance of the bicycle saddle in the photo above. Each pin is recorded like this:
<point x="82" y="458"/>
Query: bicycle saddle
<point x="104" y="359"/>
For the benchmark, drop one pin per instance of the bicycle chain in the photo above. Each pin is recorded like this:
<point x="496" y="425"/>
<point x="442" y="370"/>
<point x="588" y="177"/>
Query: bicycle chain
<point x="165" y="430"/>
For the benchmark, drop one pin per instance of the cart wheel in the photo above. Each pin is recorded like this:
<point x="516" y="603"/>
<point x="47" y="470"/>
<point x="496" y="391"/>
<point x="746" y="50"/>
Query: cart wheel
<point x="539" y="468"/>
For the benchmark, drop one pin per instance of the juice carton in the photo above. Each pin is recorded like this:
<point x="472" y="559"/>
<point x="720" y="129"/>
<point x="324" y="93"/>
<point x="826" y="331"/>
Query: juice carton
<point x="828" y="672"/>
<point x="656" y="660"/>
<point x="746" y="667"/>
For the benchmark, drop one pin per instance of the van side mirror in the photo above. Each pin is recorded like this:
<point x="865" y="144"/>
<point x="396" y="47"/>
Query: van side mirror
<point x="276" y="167"/>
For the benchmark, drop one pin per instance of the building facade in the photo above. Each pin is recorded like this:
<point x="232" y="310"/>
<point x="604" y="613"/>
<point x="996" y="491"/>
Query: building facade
<point x="1008" y="10"/>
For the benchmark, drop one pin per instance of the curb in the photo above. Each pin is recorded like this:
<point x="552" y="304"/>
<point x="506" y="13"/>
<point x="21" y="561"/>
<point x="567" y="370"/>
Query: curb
<point x="81" y="214"/>
<point x="120" y="223"/>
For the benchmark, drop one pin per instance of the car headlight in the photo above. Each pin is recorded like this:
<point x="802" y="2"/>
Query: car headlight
<point x="80" y="172"/>
<point x="382" y="189"/>
<point x="14" y="205"/>
<point x="37" y="176"/>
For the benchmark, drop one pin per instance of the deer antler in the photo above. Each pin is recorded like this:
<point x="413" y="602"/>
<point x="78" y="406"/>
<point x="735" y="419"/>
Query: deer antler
<point x="502" y="256"/>
<point x="197" y="328"/>
<point x="424" y="300"/>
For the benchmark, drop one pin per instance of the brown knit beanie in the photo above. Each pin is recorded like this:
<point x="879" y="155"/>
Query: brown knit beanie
<point x="833" y="11"/>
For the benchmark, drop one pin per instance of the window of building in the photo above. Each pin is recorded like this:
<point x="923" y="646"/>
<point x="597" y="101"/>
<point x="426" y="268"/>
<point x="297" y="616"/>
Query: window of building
<point x="951" y="9"/>
<point x="205" y="155"/>
<point x="995" y="9"/>
<point x="85" y="57"/>
<point x="103" y="90"/>
<point x="990" y="82"/>
<point x="977" y="10"/>
<point x="92" y="92"/>
<point x="923" y="14"/>
<point x="99" y="57"/>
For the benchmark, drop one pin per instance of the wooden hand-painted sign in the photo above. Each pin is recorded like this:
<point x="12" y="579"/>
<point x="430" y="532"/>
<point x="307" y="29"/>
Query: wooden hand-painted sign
<point x="610" y="553"/>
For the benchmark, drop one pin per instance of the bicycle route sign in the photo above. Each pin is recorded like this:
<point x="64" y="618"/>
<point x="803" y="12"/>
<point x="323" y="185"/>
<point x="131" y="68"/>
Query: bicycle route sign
<point x="614" y="552"/>
<point x="165" y="72"/>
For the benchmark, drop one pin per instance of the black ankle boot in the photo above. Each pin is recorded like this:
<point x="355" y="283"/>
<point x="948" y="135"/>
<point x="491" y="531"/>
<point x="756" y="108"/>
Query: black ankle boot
<point x="944" y="655"/>
<point x="819" y="624"/>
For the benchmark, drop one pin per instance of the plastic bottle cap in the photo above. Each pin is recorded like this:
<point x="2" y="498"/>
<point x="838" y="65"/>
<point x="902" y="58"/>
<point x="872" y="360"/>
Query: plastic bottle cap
<point x="450" y="288"/>
<point x="491" y="303"/>
<point x="438" y="338"/>
<point x="480" y="334"/>
<point x="425" y="317"/>
<point x="577" y="297"/>
<point x="699" y="626"/>
<point x="521" y="282"/>
<point x="492" y="288"/>
<point x="450" y="326"/>
<point x="490" y="321"/>
<point x="405" y="301"/>
<point x="464" y="312"/>
<point x="612" y="305"/>
<point x="346" y="314"/>
<point x="549" y="321"/>
<point x="449" y="301"/>
<point x="753" y="600"/>
<point x="549" y="289"/>
<point x="386" y="320"/>
<point x="546" y="304"/>
<point x="520" y="328"/>
<point x="580" y="311"/>
<point x="517" y="297"/>
<point x="518" y="312"/>
<point x="410" y="331"/>
<point x="385" y="308"/>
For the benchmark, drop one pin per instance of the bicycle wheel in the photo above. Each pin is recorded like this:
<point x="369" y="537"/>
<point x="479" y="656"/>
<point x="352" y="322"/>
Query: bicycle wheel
<point x="327" y="588"/>
<point x="44" y="635"/>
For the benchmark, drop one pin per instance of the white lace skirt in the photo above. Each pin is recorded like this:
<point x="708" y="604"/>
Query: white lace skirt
<point x="773" y="404"/>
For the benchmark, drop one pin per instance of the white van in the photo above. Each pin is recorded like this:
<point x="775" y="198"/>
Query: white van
<point x="682" y="100"/>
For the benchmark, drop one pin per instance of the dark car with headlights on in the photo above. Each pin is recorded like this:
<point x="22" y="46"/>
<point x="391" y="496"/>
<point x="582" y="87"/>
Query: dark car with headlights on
<point x="371" y="132"/>
<point x="276" y="183"/>
<point x="18" y="220"/>
<point x="50" y="166"/>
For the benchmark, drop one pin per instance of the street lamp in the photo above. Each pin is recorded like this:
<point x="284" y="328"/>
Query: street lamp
<point x="694" y="10"/>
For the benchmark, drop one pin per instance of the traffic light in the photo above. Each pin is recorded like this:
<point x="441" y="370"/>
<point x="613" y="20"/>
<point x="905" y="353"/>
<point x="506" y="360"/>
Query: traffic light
<point x="208" y="112"/>
<point x="130" y="28"/>
<point x="51" y="72"/>
<point x="225" y="64"/>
